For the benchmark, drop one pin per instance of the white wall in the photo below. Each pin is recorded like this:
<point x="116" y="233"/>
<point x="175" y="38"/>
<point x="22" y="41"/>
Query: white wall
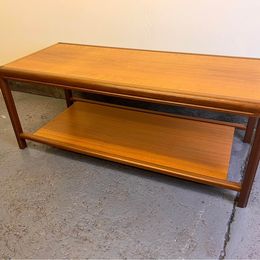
<point x="230" y="27"/>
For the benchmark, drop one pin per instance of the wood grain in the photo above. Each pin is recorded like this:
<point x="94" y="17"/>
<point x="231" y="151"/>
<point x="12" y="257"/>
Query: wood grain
<point x="189" y="149"/>
<point x="221" y="82"/>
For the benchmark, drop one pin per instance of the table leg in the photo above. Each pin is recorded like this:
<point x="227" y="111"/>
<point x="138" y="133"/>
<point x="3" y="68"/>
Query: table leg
<point x="9" y="101"/>
<point x="251" y="169"/>
<point x="250" y="129"/>
<point x="68" y="97"/>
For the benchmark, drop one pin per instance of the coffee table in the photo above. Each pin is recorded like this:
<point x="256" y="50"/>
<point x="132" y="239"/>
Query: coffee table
<point x="190" y="148"/>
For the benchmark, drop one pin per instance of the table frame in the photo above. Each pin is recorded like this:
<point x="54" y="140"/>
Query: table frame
<point x="251" y="165"/>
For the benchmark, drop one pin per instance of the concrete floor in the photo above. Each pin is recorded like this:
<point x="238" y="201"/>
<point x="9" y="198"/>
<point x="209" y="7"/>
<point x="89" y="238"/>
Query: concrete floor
<point x="56" y="204"/>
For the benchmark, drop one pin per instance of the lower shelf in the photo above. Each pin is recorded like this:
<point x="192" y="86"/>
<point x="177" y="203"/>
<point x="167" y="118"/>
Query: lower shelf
<point x="188" y="149"/>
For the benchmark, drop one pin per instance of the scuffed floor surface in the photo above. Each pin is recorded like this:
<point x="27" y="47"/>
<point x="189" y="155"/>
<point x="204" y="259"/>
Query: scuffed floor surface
<point x="56" y="204"/>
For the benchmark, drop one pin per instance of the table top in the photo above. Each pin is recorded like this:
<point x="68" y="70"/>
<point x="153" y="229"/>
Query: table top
<point x="206" y="81"/>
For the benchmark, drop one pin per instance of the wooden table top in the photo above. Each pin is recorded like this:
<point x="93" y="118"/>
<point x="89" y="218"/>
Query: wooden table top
<point x="206" y="81"/>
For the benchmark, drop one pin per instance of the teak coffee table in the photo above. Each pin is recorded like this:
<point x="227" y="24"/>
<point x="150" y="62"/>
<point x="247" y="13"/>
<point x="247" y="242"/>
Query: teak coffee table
<point x="190" y="148"/>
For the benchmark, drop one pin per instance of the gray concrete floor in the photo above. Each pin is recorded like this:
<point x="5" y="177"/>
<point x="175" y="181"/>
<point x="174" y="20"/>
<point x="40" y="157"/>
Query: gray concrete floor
<point x="56" y="204"/>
